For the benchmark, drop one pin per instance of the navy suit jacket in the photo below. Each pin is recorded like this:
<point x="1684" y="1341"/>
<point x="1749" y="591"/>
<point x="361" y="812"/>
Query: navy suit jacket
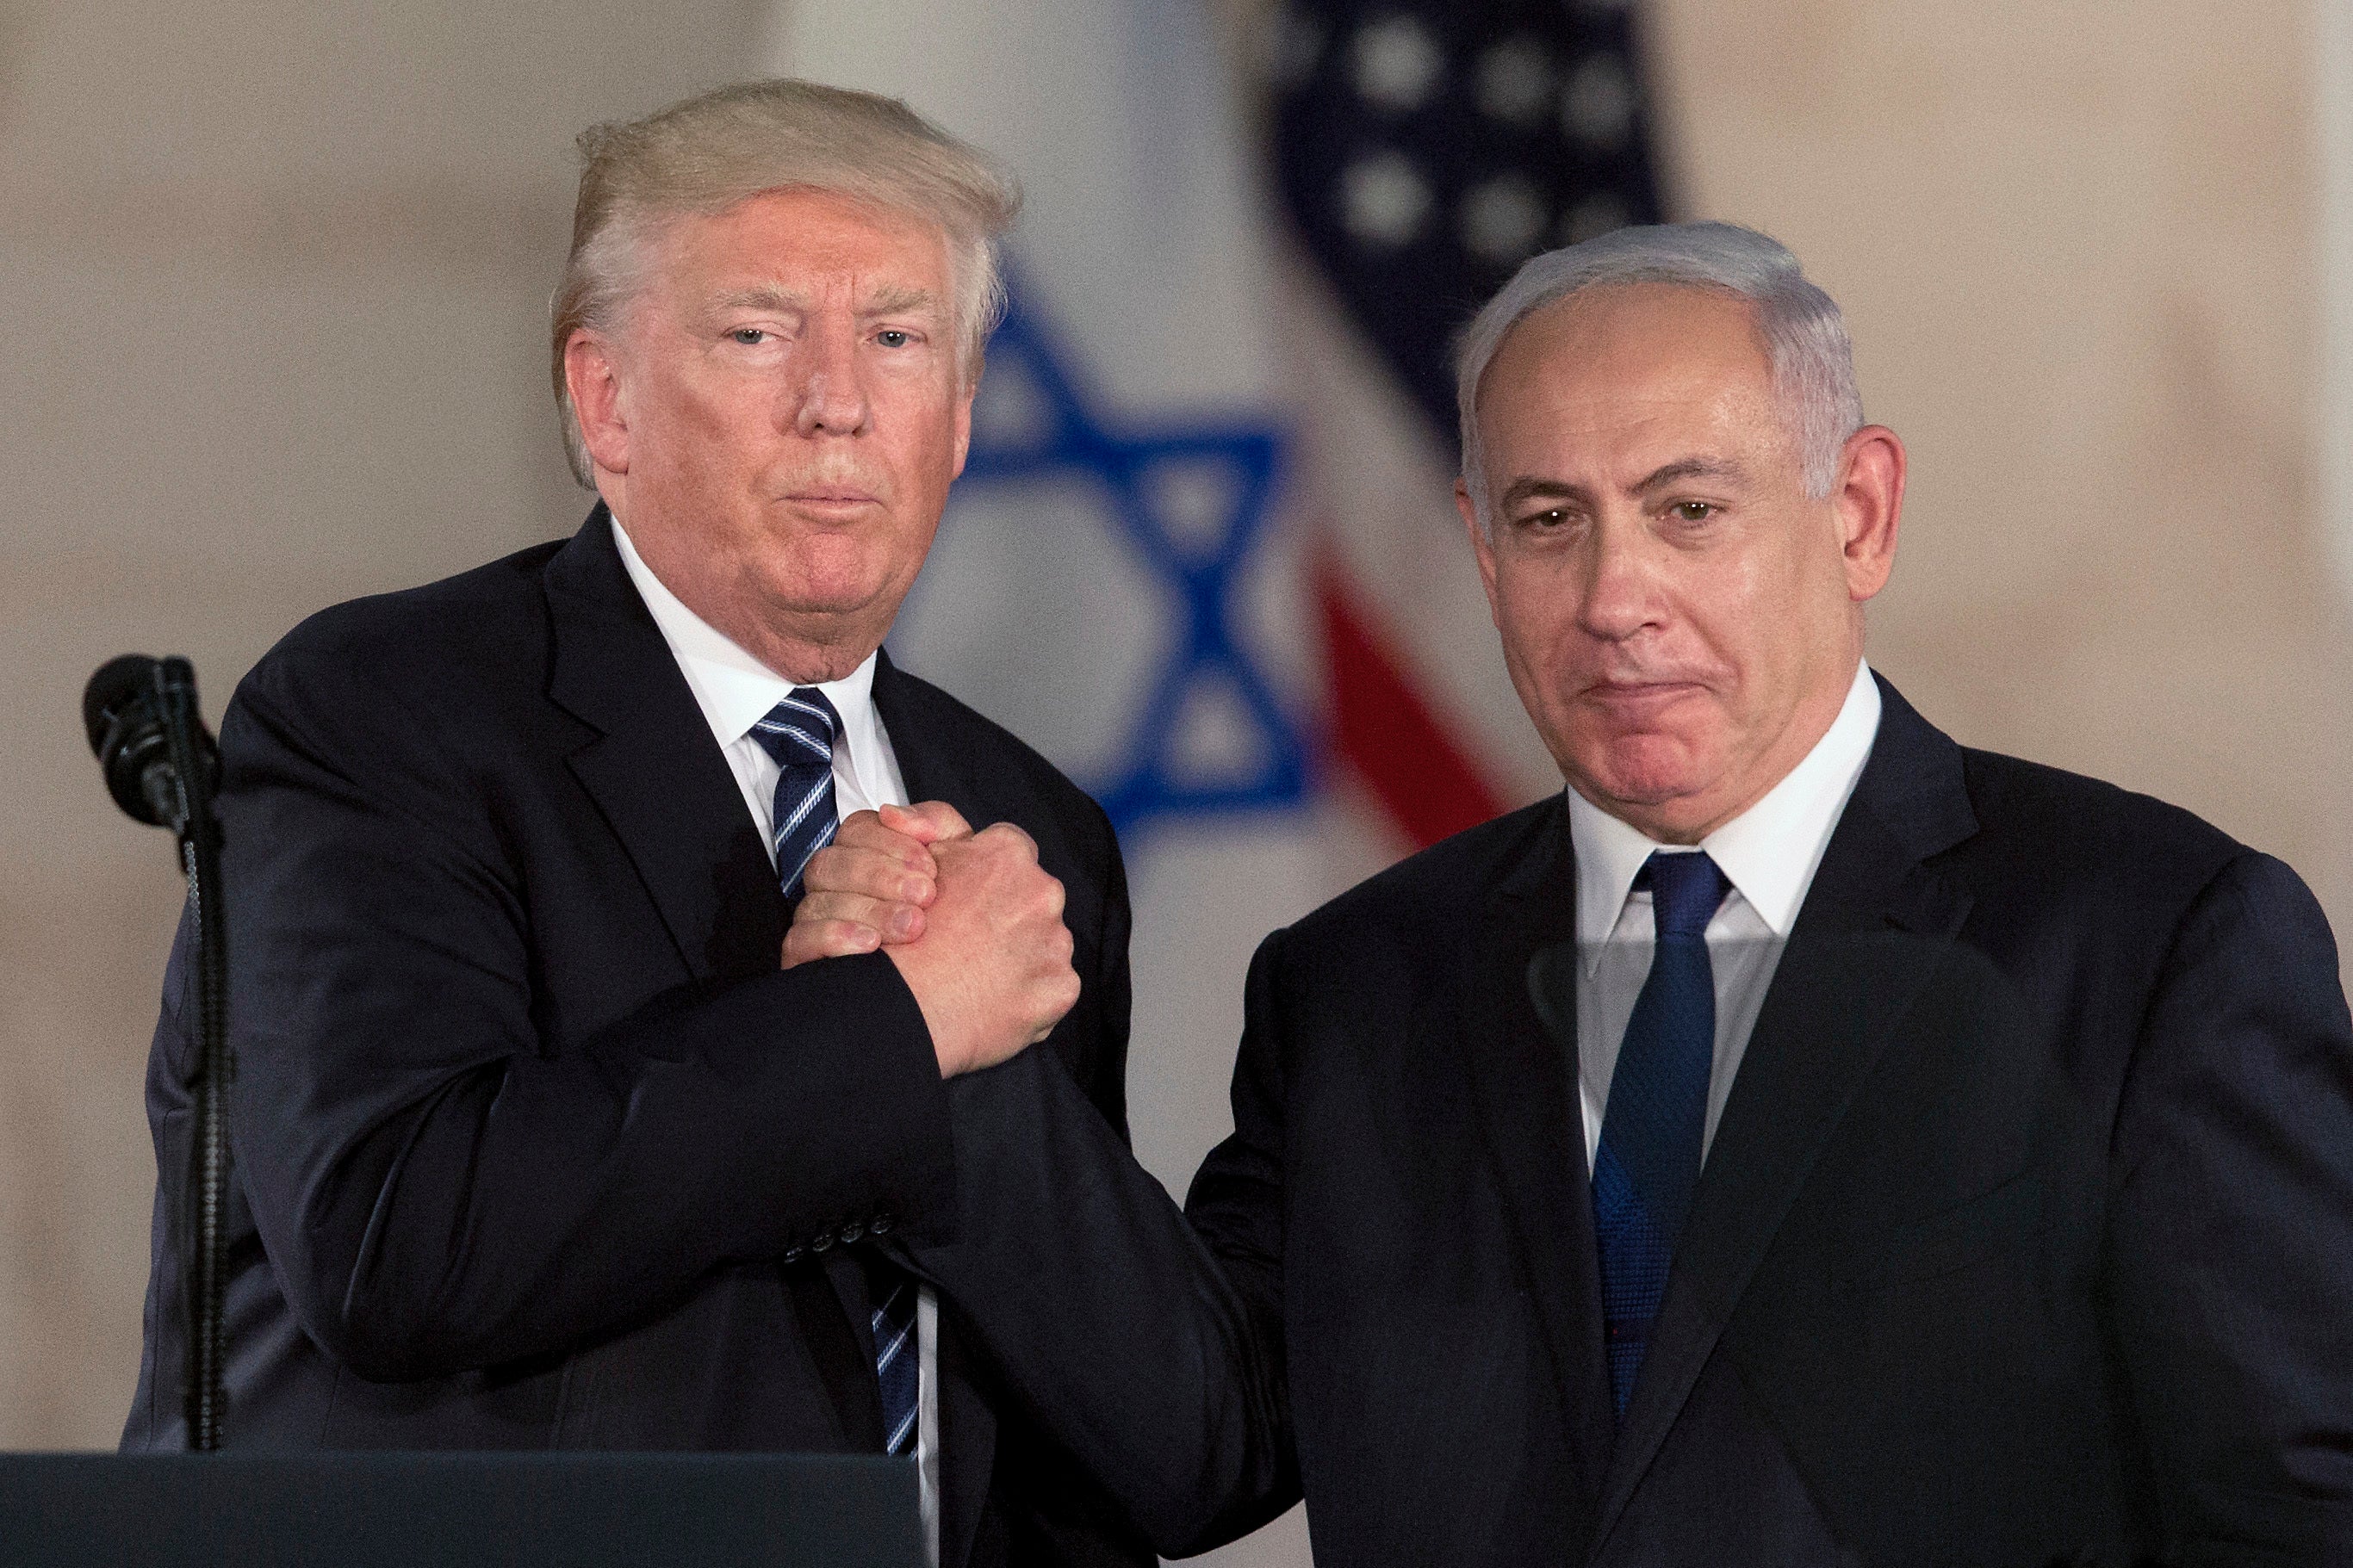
<point x="535" y="1144"/>
<point x="2026" y="1236"/>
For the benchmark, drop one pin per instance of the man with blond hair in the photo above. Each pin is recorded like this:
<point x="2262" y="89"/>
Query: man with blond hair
<point x="542" y="1138"/>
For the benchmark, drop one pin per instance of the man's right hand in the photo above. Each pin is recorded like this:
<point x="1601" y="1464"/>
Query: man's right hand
<point x="990" y="959"/>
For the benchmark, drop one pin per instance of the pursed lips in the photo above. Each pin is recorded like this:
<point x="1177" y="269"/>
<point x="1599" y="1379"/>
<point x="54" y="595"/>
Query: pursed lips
<point x="1639" y="696"/>
<point x="832" y="500"/>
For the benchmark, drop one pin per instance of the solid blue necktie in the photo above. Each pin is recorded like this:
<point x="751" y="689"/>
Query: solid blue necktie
<point x="1649" y="1156"/>
<point x="799" y="733"/>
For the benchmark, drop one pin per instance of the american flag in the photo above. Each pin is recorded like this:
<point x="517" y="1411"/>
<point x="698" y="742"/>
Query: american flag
<point x="1422" y="151"/>
<point x="1425" y="150"/>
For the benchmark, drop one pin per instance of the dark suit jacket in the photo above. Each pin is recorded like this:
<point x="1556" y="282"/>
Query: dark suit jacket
<point x="2026" y="1236"/>
<point x="535" y="1144"/>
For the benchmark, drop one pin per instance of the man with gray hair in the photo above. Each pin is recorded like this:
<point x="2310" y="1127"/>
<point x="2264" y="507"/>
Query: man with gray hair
<point x="1801" y="1140"/>
<point x="544" y="1137"/>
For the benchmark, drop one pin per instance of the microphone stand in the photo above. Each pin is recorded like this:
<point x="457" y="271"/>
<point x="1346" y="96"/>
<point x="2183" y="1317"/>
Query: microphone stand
<point x="189" y="811"/>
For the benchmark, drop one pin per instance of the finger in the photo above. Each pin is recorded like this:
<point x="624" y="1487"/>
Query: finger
<point x="1059" y="999"/>
<point x="929" y="821"/>
<point x="809" y="940"/>
<point x="896" y="921"/>
<point x="1011" y="833"/>
<point x="876" y="873"/>
<point x="867" y="830"/>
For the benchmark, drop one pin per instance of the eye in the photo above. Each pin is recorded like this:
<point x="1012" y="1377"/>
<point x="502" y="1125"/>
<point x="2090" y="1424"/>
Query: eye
<point x="1693" y="511"/>
<point x="1551" y="518"/>
<point x="892" y="338"/>
<point x="749" y="337"/>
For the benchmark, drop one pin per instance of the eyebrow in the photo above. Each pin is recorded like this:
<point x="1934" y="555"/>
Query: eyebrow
<point x="890" y="300"/>
<point x="1530" y="487"/>
<point x="901" y="301"/>
<point x="763" y="298"/>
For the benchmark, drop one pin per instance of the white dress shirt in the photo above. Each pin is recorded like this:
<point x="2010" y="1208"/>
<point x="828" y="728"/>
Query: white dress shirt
<point x="735" y="691"/>
<point x="1767" y="853"/>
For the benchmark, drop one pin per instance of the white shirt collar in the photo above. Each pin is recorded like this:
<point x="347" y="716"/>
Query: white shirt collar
<point x="1768" y="852"/>
<point x="735" y="689"/>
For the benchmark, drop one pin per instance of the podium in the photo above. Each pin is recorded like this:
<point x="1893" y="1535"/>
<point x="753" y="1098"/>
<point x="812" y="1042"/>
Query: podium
<point x="371" y="1510"/>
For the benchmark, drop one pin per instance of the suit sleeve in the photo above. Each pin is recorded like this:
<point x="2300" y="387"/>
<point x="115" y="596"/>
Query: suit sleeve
<point x="1091" y="1039"/>
<point x="438" y="1189"/>
<point x="2232" y="1229"/>
<point x="1114" y="991"/>
<point x="1137" y="1344"/>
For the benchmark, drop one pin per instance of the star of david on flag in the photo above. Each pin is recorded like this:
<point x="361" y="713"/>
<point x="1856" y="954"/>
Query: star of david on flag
<point x="1036" y="422"/>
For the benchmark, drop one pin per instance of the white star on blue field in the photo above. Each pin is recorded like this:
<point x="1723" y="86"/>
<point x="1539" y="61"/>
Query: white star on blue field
<point x="1200" y="562"/>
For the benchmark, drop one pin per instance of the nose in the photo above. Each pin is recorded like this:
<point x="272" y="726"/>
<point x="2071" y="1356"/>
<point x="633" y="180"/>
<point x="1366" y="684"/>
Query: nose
<point x="831" y="396"/>
<point x="1621" y="597"/>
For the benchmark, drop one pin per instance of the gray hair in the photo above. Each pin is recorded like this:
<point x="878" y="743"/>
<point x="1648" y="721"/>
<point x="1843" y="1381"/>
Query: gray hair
<point x="1805" y="337"/>
<point x="709" y="152"/>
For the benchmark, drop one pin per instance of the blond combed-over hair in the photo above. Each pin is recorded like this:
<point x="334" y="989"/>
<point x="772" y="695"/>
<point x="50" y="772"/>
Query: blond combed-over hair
<point x="702" y="156"/>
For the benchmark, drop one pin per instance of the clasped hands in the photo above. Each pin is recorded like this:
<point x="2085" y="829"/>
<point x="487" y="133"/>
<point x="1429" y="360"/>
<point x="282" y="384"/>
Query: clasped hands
<point x="971" y="919"/>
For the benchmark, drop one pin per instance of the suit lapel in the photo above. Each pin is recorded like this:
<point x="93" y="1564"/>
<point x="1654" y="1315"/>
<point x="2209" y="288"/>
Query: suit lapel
<point x="653" y="768"/>
<point x="929" y="769"/>
<point x="1874" y="926"/>
<point x="1526" y="1087"/>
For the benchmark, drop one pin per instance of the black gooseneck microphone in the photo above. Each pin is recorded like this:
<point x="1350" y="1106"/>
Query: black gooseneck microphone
<point x="162" y="768"/>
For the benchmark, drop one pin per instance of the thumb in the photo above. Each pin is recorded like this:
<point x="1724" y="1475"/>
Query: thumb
<point x="930" y="822"/>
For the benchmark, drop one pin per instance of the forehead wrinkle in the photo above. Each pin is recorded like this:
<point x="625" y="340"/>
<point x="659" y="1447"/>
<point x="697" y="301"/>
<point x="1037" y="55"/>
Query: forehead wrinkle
<point x="763" y="297"/>
<point x="1683" y="468"/>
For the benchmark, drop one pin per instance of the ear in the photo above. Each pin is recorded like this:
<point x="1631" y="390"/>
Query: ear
<point x="594" y="379"/>
<point x="1870" y="502"/>
<point x="1481" y="546"/>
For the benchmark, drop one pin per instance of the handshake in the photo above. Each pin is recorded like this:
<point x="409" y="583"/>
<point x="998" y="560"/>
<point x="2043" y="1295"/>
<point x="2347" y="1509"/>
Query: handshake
<point x="972" y="920"/>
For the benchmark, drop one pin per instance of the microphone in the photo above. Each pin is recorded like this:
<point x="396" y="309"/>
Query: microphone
<point x="126" y="709"/>
<point x="161" y="767"/>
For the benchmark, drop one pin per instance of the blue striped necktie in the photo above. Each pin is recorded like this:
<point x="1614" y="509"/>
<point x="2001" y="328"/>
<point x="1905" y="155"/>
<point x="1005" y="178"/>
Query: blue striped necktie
<point x="799" y="733"/>
<point x="1648" y="1159"/>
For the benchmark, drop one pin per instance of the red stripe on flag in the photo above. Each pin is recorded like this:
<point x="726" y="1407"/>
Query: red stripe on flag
<point x="1383" y="730"/>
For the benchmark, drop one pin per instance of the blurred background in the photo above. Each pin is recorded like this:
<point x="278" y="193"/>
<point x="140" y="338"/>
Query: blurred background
<point x="273" y="285"/>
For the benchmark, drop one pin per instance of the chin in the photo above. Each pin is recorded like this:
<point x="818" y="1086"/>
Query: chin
<point x="827" y="584"/>
<point x="1646" y="771"/>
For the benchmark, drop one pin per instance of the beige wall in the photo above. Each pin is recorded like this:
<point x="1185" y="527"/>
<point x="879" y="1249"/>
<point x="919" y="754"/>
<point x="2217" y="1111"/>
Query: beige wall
<point x="272" y="280"/>
<point x="273" y="283"/>
<point x="2075" y="243"/>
